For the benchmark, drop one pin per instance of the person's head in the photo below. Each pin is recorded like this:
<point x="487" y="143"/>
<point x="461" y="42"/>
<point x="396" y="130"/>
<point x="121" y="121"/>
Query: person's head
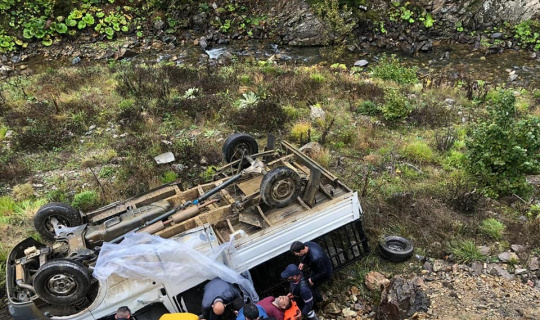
<point x="236" y="305"/>
<point x="123" y="313"/>
<point x="218" y="307"/>
<point x="291" y="273"/>
<point x="251" y="312"/>
<point x="283" y="302"/>
<point x="298" y="248"/>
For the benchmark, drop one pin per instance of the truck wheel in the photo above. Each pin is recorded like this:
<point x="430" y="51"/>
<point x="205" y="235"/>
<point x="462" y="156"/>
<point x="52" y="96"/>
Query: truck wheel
<point x="236" y="144"/>
<point x="396" y="248"/>
<point x="62" y="282"/>
<point x="280" y="186"/>
<point x="65" y="214"/>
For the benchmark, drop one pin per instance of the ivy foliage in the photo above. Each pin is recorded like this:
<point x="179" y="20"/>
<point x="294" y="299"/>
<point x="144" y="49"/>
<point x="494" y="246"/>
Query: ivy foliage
<point x="504" y="148"/>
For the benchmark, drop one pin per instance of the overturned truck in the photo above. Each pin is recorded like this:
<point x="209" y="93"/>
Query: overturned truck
<point x="263" y="200"/>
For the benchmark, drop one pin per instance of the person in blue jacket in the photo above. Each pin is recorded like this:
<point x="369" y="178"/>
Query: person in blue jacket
<point x="300" y="291"/>
<point x="313" y="256"/>
<point x="217" y="294"/>
<point x="252" y="311"/>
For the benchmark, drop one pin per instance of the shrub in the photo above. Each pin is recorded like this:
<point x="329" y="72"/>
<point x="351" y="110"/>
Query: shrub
<point x="389" y="68"/>
<point x="396" y="106"/>
<point x="7" y="205"/>
<point x="465" y="251"/>
<point x="492" y="228"/>
<point x="502" y="149"/>
<point x="23" y="191"/>
<point x="169" y="176"/>
<point x="368" y="108"/>
<point x="264" y="116"/>
<point x="86" y="200"/>
<point x="300" y="131"/>
<point x="418" y="151"/>
<point x="317" y="77"/>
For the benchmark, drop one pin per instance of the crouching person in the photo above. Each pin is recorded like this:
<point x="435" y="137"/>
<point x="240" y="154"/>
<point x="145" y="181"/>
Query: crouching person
<point x="300" y="291"/>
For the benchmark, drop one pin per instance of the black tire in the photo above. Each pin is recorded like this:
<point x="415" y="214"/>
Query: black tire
<point x="65" y="214"/>
<point x="396" y="248"/>
<point x="280" y="186"/>
<point x="236" y="143"/>
<point x="62" y="282"/>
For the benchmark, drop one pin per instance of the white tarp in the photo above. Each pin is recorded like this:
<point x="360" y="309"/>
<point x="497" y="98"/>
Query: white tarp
<point x="144" y="256"/>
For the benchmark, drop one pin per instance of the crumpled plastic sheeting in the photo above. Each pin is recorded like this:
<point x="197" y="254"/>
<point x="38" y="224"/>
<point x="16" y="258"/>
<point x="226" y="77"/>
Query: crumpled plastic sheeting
<point x="144" y="256"/>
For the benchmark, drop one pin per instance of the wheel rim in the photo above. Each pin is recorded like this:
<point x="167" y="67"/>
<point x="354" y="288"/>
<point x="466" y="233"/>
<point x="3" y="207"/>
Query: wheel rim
<point x="61" y="284"/>
<point x="395" y="246"/>
<point x="283" y="189"/>
<point x="240" y="149"/>
<point x="49" y="223"/>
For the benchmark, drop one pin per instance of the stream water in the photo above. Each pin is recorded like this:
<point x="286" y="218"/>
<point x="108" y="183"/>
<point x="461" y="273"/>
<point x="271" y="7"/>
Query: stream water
<point x="509" y="68"/>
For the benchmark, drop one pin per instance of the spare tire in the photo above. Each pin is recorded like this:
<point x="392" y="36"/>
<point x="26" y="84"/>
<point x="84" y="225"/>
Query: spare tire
<point x="396" y="248"/>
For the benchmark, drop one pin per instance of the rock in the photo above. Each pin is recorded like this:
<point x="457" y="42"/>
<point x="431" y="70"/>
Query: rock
<point x="438" y="265"/>
<point x="317" y="113"/>
<point x="477" y="268"/>
<point x="407" y="295"/>
<point x="496" y="35"/>
<point x="159" y="24"/>
<point x="484" y="250"/>
<point x="508" y="256"/>
<point x="355" y="291"/>
<point x="347" y="312"/>
<point x="76" y="60"/>
<point x="203" y="43"/>
<point x="166" y="157"/>
<point x="449" y="102"/>
<point x="311" y="148"/>
<point x="374" y="280"/>
<point x="520" y="271"/>
<point x="502" y="272"/>
<point x="517" y="248"/>
<point x="533" y="264"/>
<point x="512" y="76"/>
<point x="332" y="308"/>
<point x="361" y="63"/>
<point x="427" y="266"/>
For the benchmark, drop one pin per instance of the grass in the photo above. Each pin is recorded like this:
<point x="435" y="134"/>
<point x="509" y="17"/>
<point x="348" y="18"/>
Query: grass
<point x="465" y="251"/>
<point x="492" y="228"/>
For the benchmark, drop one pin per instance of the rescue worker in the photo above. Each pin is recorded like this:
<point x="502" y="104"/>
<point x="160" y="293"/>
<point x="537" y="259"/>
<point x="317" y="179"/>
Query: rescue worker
<point x="320" y="265"/>
<point x="252" y="311"/>
<point x="275" y="307"/>
<point x="123" y="313"/>
<point x="217" y="294"/>
<point x="300" y="291"/>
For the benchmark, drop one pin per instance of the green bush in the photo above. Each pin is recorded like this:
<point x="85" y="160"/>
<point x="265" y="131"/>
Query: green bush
<point x="396" y="106"/>
<point x="368" y="108"/>
<point x="418" y="151"/>
<point x="389" y="68"/>
<point x="169" y="176"/>
<point x="317" y="77"/>
<point x="86" y="200"/>
<point x="492" y="228"/>
<point x="503" y="149"/>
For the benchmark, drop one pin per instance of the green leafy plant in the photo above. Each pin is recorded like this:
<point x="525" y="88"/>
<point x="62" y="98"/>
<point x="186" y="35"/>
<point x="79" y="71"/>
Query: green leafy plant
<point x="418" y="151"/>
<point x="396" y="106"/>
<point x="368" y="108"/>
<point x="317" y="77"/>
<point x="389" y="68"/>
<point x="191" y="93"/>
<point x="528" y="34"/>
<point x="502" y="148"/>
<point x="492" y="228"/>
<point x="169" y="176"/>
<point x="250" y="99"/>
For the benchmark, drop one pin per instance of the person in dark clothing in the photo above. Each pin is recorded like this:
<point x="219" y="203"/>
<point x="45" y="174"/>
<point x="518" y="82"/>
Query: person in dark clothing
<point x="123" y="313"/>
<point x="300" y="291"/>
<point x="320" y="266"/>
<point x="217" y="294"/>
<point x="252" y="311"/>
